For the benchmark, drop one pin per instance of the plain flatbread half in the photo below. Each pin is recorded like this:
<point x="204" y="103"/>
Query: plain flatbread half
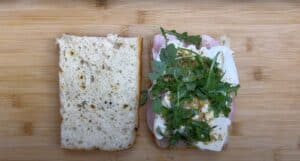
<point x="99" y="82"/>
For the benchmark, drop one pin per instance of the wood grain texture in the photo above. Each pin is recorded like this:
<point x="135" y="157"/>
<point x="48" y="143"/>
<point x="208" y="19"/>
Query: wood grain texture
<point x="265" y="36"/>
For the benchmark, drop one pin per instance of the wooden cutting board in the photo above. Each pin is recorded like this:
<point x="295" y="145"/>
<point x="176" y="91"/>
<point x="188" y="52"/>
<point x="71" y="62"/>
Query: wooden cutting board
<point x="264" y="35"/>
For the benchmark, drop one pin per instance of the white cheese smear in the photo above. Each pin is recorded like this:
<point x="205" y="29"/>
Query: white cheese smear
<point x="166" y="101"/>
<point x="159" y="123"/>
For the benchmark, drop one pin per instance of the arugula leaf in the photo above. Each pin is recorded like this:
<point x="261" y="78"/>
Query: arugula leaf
<point x="153" y="76"/>
<point x="175" y="138"/>
<point x="189" y="77"/>
<point x="158" y="69"/>
<point x="163" y="32"/>
<point x="157" y="106"/>
<point x="144" y="97"/>
<point x="191" y="86"/>
<point x="183" y="91"/>
<point x="211" y="74"/>
<point x="158" y="66"/>
<point x="234" y="89"/>
<point x="200" y="94"/>
<point x="199" y="59"/>
<point x="168" y="54"/>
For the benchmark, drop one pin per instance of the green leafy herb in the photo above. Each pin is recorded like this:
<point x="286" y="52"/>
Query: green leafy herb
<point x="158" y="68"/>
<point x="200" y="94"/>
<point x="163" y="32"/>
<point x="168" y="54"/>
<point x="211" y="74"/>
<point x="144" y="97"/>
<point x="157" y="106"/>
<point x="191" y="86"/>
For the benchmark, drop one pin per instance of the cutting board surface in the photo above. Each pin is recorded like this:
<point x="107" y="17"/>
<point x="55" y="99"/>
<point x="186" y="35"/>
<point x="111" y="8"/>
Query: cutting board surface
<point x="264" y="35"/>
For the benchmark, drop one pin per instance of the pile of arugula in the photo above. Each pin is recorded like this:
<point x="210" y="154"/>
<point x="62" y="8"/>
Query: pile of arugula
<point x="188" y="75"/>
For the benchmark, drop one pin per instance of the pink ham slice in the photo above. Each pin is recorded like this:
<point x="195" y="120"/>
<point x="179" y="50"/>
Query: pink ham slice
<point x="150" y="117"/>
<point x="208" y="42"/>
